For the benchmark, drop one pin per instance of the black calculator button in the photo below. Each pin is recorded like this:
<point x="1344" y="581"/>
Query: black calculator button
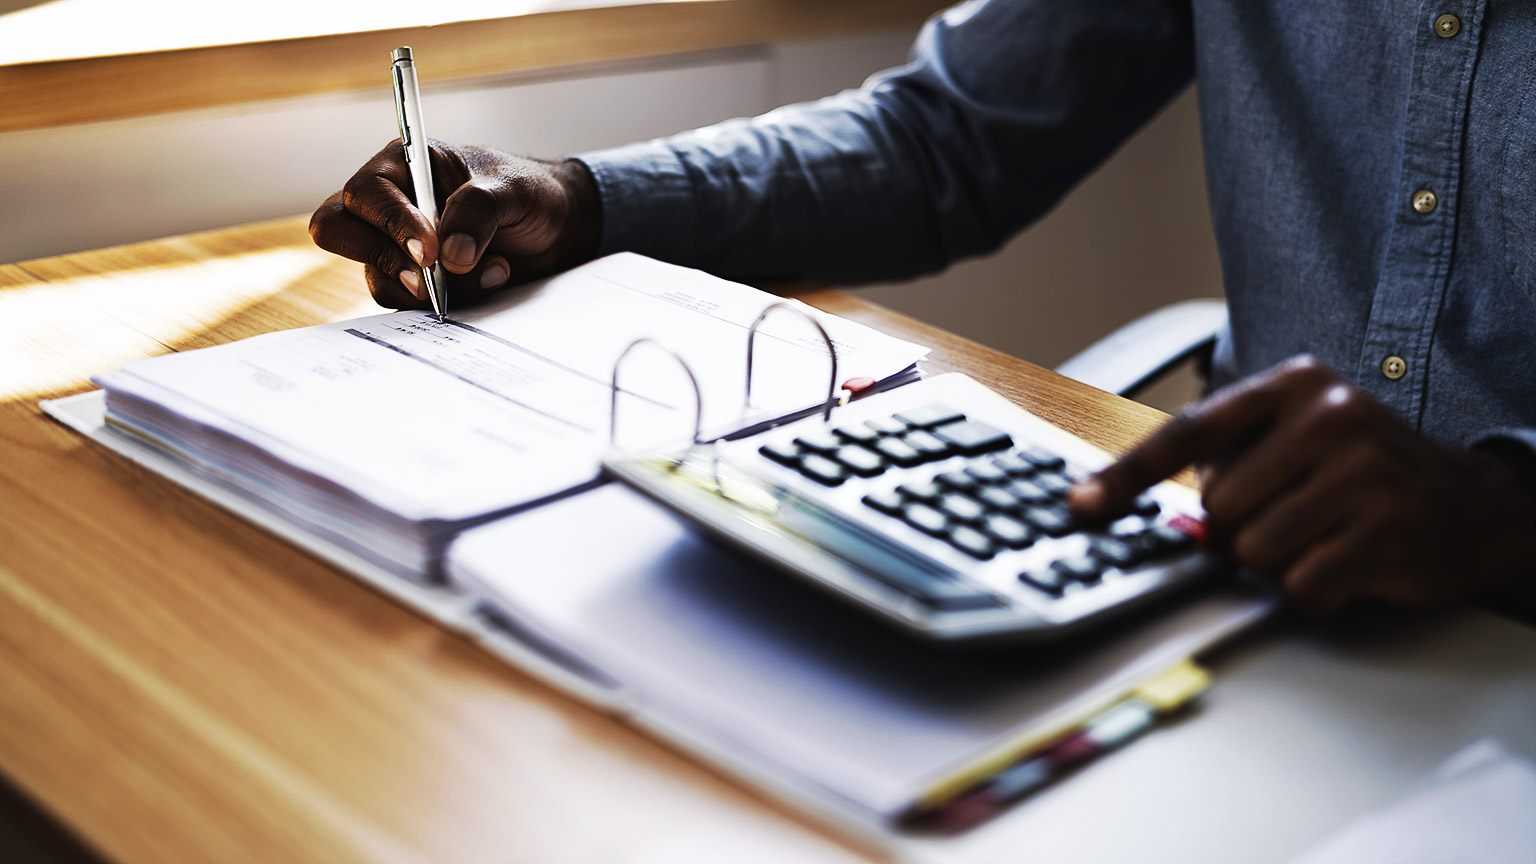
<point x="957" y="480"/>
<point x="1146" y="505"/>
<point x="859" y="433"/>
<point x="1048" y="580"/>
<point x="1114" y="552"/>
<point x="1049" y="520"/>
<point x="1055" y="484"/>
<point x="986" y="472"/>
<point x="822" y="470"/>
<point x="887" y="425"/>
<point x="860" y="460"/>
<point x="925" y="490"/>
<point x="972" y="437"/>
<point x="972" y="542"/>
<point x="889" y="503"/>
<point x="1029" y="492"/>
<point x="821" y="441"/>
<point x="783" y="453"/>
<point x="1168" y="539"/>
<point x="1043" y="459"/>
<point x="929" y="415"/>
<point x="927" y="444"/>
<point x="1008" y="531"/>
<point x="926" y="519"/>
<point x="962" y="508"/>
<point x="898" y="451"/>
<point x="998" y="498"/>
<point x="1078" y="568"/>
<point x="1013" y="464"/>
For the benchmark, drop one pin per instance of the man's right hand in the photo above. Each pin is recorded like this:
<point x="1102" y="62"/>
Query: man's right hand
<point x="505" y="220"/>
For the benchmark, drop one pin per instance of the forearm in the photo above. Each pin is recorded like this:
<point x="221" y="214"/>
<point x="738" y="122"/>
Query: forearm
<point x="1005" y="105"/>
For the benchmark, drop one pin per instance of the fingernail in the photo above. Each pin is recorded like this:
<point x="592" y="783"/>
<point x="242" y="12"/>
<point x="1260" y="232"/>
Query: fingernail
<point x="493" y="277"/>
<point x="412" y="282"/>
<point x="458" y="250"/>
<point x="1087" y="494"/>
<point x="417" y="250"/>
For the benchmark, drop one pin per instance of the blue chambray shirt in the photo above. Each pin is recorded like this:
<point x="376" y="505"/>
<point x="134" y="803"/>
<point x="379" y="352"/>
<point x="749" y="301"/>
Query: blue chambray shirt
<point x="1371" y="165"/>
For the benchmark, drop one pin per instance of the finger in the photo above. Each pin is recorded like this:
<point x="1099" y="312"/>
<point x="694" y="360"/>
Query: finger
<point x="388" y="292"/>
<point x="1301" y="517"/>
<point x="1327" y="576"/>
<point x="1315" y="432"/>
<point x="520" y="207"/>
<point x="335" y="229"/>
<point x="380" y="195"/>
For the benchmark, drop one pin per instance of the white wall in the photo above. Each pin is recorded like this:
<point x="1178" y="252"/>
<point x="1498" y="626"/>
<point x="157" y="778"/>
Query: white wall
<point x="1135" y="236"/>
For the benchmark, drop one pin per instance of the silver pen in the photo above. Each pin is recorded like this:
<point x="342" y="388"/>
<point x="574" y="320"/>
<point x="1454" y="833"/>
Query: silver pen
<point x="419" y="157"/>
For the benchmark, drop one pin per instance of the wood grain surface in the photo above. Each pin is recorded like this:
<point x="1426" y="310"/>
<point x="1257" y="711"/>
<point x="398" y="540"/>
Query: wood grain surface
<point x="136" y="82"/>
<point x="179" y="685"/>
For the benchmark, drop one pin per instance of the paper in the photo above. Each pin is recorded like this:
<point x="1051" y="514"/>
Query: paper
<point x="1478" y="808"/>
<point x="507" y="403"/>
<point x="776" y="676"/>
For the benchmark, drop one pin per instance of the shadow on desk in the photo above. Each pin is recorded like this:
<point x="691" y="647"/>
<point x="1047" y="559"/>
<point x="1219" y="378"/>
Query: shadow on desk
<point x="30" y="836"/>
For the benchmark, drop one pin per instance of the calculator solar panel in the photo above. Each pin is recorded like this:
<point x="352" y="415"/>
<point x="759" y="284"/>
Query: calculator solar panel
<point x="939" y="507"/>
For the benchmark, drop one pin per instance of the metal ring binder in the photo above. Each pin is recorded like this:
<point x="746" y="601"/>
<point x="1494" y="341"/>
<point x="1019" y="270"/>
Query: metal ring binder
<point x="831" y="353"/>
<point x="613" y="404"/>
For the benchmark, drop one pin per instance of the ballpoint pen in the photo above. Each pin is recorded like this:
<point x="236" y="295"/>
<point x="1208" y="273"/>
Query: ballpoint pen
<point x="418" y="156"/>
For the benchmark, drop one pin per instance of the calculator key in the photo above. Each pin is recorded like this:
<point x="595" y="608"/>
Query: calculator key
<point x="962" y="508"/>
<point x="1055" y="484"/>
<point x="822" y="470"/>
<point x="1013" y="464"/>
<point x="821" y="441"/>
<point x="1043" y="459"/>
<point x="972" y="542"/>
<point x="927" y="444"/>
<point x="957" y="480"/>
<point x="860" y="460"/>
<point x="926" y="491"/>
<point x="986" y="472"/>
<point x="887" y="425"/>
<point x="1170" y="539"/>
<point x="1078" y="568"/>
<point x="1029" y="492"/>
<point x="1050" y="521"/>
<point x="898" y="451"/>
<point x="859" y="433"/>
<point x="925" y="519"/>
<point x="784" y="453"/>
<point x="1189" y="525"/>
<point x="929" y="415"/>
<point x="972" y="436"/>
<point x="889" y="503"/>
<point x="998" y="498"/>
<point x="1047" y="580"/>
<point x="1008" y="531"/>
<point x="938" y="592"/>
<point x="1146" y="505"/>
<point x="1114" y="552"/>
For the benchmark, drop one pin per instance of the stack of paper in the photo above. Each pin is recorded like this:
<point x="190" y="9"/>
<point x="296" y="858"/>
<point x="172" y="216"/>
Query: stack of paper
<point x="389" y="434"/>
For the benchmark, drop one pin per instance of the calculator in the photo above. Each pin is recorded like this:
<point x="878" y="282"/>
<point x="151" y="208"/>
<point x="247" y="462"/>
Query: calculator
<point x="939" y="507"/>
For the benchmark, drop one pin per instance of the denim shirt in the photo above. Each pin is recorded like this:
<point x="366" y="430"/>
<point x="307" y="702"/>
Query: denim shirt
<point x="1371" y="166"/>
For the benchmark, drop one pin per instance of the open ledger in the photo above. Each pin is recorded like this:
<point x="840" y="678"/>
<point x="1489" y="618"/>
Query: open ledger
<point x="390" y="434"/>
<point x="430" y="461"/>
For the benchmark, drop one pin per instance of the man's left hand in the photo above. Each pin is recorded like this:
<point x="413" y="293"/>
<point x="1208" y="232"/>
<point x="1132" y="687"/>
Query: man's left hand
<point x="1311" y="482"/>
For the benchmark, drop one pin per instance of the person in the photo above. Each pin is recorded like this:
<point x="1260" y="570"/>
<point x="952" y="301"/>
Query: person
<point x="1371" y="183"/>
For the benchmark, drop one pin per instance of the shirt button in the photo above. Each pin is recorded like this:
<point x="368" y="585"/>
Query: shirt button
<point x="1394" y="367"/>
<point x="1425" y="201"/>
<point x="1447" y="25"/>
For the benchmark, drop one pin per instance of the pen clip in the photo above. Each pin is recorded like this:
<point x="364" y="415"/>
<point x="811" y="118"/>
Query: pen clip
<point x="405" y="127"/>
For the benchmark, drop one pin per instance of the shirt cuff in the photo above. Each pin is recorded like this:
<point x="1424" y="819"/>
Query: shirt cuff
<point x="648" y="201"/>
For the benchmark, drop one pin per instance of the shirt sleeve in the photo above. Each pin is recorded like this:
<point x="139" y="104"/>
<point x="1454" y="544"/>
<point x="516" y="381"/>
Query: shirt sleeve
<point x="1003" y="107"/>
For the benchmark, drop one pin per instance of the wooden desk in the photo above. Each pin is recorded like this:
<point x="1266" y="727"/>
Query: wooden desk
<point x="179" y="685"/>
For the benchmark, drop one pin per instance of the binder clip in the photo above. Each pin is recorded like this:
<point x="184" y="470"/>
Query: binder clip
<point x="826" y="415"/>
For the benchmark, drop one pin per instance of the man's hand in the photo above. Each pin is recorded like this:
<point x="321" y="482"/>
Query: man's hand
<point x="504" y="220"/>
<point x="1311" y="482"/>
